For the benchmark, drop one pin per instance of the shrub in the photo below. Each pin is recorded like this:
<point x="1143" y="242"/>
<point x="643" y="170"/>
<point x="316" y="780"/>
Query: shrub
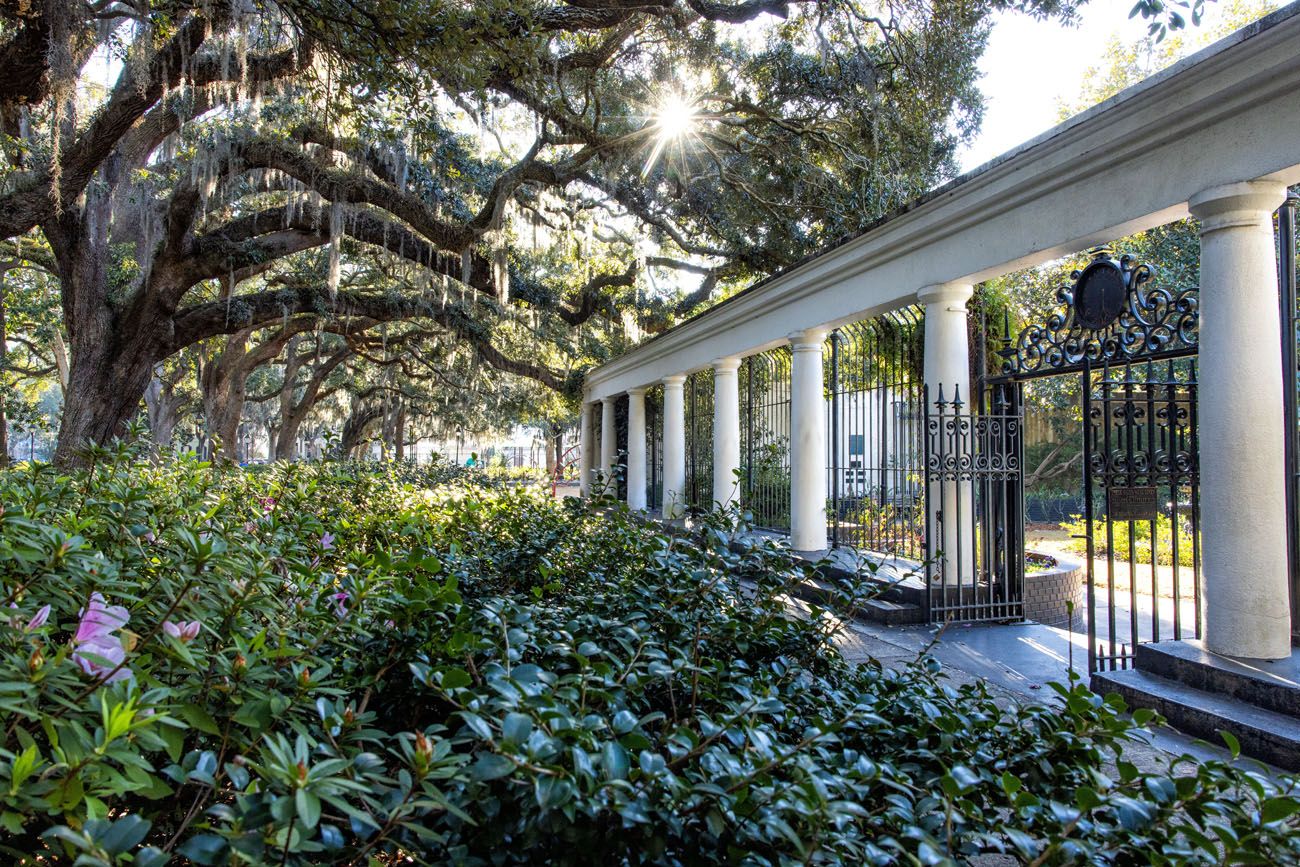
<point x="1077" y="526"/>
<point x="334" y="664"/>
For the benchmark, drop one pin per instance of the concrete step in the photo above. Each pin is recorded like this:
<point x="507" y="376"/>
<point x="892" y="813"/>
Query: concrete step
<point x="875" y="610"/>
<point x="1269" y="684"/>
<point x="1264" y="734"/>
<point x="889" y="613"/>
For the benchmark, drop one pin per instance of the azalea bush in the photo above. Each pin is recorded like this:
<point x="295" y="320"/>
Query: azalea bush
<point x="342" y="664"/>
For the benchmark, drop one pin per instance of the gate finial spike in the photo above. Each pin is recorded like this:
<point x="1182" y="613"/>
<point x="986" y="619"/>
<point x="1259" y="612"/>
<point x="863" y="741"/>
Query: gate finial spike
<point x="956" y="397"/>
<point x="939" y="400"/>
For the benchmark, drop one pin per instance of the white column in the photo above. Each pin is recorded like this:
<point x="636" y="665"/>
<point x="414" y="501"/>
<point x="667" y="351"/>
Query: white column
<point x="608" y="443"/>
<point x="674" y="446"/>
<point x="807" y="442"/>
<point x="1242" y="441"/>
<point x="726" y="431"/>
<point x="636" y="467"/>
<point x="587" y="450"/>
<point x="947" y="368"/>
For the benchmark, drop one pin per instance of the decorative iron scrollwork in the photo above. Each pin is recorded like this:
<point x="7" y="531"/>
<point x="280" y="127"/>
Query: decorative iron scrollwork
<point x="1110" y="314"/>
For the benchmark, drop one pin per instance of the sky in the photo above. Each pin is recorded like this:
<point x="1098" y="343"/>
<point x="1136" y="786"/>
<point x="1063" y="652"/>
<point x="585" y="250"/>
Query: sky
<point x="1031" y="65"/>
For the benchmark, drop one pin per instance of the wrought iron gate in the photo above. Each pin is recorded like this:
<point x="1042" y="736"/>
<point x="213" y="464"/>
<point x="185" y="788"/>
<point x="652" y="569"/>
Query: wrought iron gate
<point x="1141" y="473"/>
<point x="975" y="535"/>
<point x="1132" y="346"/>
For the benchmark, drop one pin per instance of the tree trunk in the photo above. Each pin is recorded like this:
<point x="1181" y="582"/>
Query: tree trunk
<point x="163" y="409"/>
<point x="106" y="381"/>
<point x="283" y="444"/>
<point x="355" y="425"/>
<point x="112" y="351"/>
<point x="223" y="395"/>
<point x="399" y="433"/>
<point x="292" y="415"/>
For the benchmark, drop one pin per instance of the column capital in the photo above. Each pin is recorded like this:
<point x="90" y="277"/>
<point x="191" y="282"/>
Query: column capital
<point x="609" y="401"/>
<point x="953" y="294"/>
<point x="676" y="380"/>
<point x="726" y="365"/>
<point x="639" y="391"/>
<point x="1241" y="204"/>
<point x="807" y="340"/>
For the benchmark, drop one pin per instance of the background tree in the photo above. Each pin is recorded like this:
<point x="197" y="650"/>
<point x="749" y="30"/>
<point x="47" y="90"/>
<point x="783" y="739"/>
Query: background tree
<point x="515" y="168"/>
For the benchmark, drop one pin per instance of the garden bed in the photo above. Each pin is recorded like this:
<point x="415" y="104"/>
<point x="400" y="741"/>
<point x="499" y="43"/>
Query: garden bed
<point x="337" y="664"/>
<point x="1055" y="589"/>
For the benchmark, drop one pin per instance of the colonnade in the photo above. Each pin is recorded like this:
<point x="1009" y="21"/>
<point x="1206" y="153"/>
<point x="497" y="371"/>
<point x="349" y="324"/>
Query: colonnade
<point x="1242" y="442"/>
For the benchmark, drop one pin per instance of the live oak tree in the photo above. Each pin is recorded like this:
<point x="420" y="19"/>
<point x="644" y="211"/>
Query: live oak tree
<point x="580" y="172"/>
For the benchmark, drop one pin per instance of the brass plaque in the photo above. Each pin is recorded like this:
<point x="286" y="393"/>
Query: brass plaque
<point x="1132" y="504"/>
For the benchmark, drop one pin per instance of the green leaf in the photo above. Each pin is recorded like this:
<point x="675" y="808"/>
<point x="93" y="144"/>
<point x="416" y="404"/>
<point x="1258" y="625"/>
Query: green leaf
<point x="516" y="727"/>
<point x="1277" y="809"/>
<point x="308" y="807"/>
<point x="477" y="724"/>
<point x="614" y="760"/>
<point x="205" y="849"/>
<point x="198" y="718"/>
<point x="151" y="856"/>
<point x="125" y="834"/>
<point x="490" y="766"/>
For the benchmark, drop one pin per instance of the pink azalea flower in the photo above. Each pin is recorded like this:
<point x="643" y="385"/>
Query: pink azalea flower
<point x="36" y="622"/>
<point x="95" y="639"/>
<point x="327" y="541"/>
<point x="340" y="604"/>
<point x="38" y="619"/>
<point x="184" y="631"/>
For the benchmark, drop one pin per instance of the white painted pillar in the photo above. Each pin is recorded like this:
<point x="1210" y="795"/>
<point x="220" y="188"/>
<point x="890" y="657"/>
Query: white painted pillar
<point x="807" y="442"/>
<point x="947" y="367"/>
<point x="636" y="455"/>
<point x="726" y="431"/>
<point x="674" y="446"/>
<point x="1242" y="441"/>
<point x="587" y="449"/>
<point x="608" y="444"/>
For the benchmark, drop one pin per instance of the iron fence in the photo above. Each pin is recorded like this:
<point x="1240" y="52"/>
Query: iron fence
<point x="875" y="411"/>
<point x="699" y="439"/>
<point x="654" y="448"/>
<point x="765" y="438"/>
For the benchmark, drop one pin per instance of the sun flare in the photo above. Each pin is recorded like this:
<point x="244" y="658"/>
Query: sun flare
<point x="675" y="117"/>
<point x="672" y="120"/>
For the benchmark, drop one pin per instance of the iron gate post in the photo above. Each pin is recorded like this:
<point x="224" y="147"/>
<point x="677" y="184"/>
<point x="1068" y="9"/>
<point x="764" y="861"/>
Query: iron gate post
<point x="1286" y="240"/>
